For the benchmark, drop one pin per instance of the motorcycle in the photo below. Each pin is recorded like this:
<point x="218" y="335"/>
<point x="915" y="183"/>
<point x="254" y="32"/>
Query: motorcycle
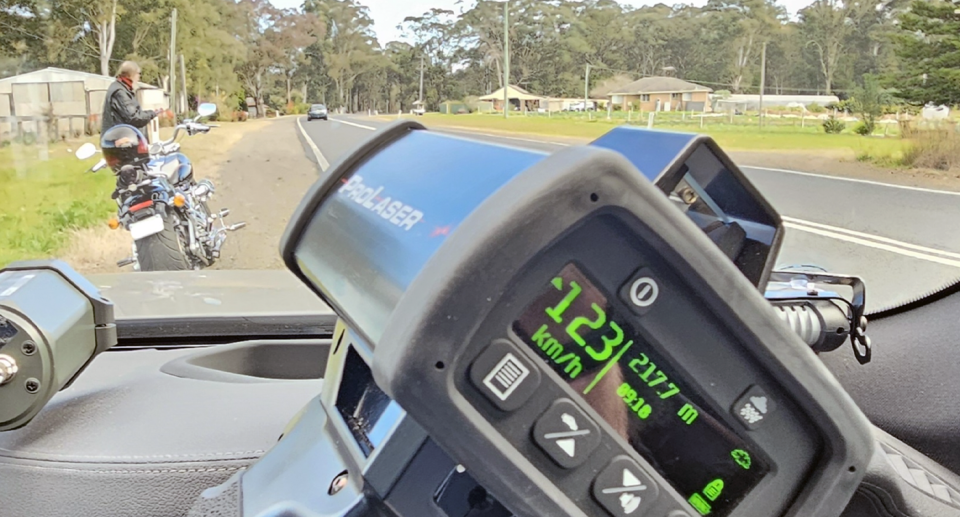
<point x="158" y="199"/>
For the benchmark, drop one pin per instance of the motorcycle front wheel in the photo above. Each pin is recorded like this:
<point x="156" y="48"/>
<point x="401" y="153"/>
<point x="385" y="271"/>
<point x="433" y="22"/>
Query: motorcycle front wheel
<point x="164" y="251"/>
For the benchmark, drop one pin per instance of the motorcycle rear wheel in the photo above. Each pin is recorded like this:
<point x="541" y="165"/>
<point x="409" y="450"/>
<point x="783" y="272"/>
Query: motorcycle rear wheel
<point x="164" y="251"/>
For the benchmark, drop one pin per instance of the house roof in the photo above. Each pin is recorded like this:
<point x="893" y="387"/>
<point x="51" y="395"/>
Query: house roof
<point x="514" y="92"/>
<point x="659" y="85"/>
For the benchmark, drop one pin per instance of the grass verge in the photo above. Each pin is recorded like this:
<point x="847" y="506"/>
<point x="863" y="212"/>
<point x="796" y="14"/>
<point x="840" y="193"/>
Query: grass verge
<point x="45" y="195"/>
<point x="742" y="135"/>
<point x="50" y="207"/>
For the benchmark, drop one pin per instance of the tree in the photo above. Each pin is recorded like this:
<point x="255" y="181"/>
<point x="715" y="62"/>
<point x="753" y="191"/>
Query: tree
<point x="868" y="101"/>
<point x="826" y="28"/>
<point x="91" y="24"/>
<point x="291" y="35"/>
<point x="350" y="47"/>
<point x="928" y="44"/>
<point x="262" y="54"/>
<point x="754" y="22"/>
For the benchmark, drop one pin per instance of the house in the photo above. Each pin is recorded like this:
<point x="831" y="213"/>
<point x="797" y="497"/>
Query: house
<point x="519" y="98"/>
<point x="662" y="94"/>
<point x="66" y="102"/>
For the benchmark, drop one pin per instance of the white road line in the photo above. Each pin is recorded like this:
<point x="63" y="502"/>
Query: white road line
<point x="491" y="135"/>
<point x="894" y="242"/>
<point x="855" y="180"/>
<point x="874" y="244"/>
<point x="321" y="161"/>
<point x="361" y="126"/>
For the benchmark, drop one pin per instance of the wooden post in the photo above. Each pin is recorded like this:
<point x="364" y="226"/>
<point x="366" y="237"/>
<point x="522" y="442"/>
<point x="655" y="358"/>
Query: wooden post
<point x="763" y="80"/>
<point x="173" y="58"/>
<point x="650" y="120"/>
<point x="506" y="59"/>
<point x="183" y="83"/>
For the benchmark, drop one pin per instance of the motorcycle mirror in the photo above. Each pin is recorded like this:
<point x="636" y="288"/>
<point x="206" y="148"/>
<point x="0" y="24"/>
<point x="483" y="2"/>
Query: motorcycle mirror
<point x="86" y="151"/>
<point x="155" y="148"/>
<point x="99" y="165"/>
<point x="206" y="109"/>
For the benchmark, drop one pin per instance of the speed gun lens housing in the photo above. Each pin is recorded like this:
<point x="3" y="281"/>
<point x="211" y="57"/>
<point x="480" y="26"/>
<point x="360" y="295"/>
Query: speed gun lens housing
<point x="53" y="322"/>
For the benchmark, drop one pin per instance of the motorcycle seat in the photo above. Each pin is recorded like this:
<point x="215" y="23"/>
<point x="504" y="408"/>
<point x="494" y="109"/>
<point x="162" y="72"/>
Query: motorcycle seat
<point x="128" y="438"/>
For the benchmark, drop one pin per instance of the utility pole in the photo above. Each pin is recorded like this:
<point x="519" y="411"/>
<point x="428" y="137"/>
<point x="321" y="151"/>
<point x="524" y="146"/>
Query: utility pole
<point x="173" y="58"/>
<point x="506" y="59"/>
<point x="421" y="80"/>
<point x="763" y="78"/>
<point x="183" y="84"/>
<point x="586" y="87"/>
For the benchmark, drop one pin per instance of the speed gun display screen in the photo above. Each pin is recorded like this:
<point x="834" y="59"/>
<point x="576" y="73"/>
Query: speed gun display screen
<point x="578" y="330"/>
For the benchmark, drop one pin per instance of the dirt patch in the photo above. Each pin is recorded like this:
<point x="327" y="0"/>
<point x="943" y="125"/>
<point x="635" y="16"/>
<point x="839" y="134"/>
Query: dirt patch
<point x="262" y="181"/>
<point x="260" y="172"/>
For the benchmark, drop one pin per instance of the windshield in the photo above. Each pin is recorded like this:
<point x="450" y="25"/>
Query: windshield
<point x="830" y="107"/>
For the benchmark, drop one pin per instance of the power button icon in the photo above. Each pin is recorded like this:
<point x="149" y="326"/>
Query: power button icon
<point x="641" y="291"/>
<point x="644" y="291"/>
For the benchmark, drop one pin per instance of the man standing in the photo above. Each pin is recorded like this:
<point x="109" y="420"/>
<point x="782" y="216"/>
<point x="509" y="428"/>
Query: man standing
<point x="121" y="105"/>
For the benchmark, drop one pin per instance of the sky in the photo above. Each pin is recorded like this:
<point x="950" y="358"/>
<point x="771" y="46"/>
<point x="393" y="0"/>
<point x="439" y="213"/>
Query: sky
<point x="387" y="14"/>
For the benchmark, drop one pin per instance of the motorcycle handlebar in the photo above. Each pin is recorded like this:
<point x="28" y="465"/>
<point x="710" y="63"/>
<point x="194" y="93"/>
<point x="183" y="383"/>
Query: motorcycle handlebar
<point x="191" y="128"/>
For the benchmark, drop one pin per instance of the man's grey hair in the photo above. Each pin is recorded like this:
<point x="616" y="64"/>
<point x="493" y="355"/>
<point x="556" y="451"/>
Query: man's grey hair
<point x="128" y="69"/>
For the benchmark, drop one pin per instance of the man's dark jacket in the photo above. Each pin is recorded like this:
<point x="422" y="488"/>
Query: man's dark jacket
<point x="121" y="107"/>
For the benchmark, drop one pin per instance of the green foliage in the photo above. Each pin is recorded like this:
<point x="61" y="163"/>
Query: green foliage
<point x="816" y="108"/>
<point x="863" y="128"/>
<point x="928" y="44"/>
<point x="833" y="126"/>
<point x="868" y="101"/>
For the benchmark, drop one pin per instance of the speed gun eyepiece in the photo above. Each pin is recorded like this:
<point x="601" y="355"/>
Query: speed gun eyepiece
<point x="53" y="322"/>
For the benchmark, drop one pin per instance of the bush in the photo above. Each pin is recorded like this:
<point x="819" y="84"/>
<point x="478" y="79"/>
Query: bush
<point x="238" y="116"/>
<point x="816" y="108"/>
<point x="296" y="108"/>
<point x="865" y="128"/>
<point x="936" y="149"/>
<point x="833" y="126"/>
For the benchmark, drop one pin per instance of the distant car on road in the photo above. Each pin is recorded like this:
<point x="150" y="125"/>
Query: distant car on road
<point x="317" y="111"/>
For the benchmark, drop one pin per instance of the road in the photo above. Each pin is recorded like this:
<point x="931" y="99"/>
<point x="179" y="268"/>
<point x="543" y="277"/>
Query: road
<point x="901" y="240"/>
